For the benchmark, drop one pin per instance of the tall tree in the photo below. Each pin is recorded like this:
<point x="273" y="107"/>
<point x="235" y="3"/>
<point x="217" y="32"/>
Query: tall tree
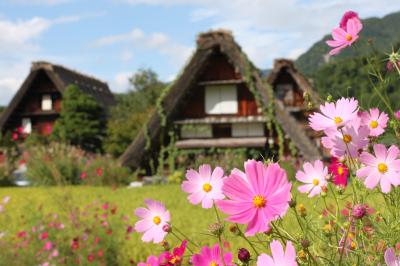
<point x="82" y="120"/>
<point x="132" y="109"/>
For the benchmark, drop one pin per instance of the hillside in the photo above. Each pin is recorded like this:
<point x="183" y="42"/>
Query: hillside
<point x="383" y="32"/>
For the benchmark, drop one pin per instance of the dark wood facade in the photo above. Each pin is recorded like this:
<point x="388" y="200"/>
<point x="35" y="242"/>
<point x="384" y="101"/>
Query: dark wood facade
<point x="38" y="101"/>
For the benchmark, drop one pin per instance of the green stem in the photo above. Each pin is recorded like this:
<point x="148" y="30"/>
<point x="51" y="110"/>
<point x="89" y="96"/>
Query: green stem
<point x="180" y="239"/>
<point x="247" y="240"/>
<point x="187" y="238"/>
<point x="219" y="235"/>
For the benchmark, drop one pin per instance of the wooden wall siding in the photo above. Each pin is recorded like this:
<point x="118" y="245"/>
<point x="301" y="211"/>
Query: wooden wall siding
<point x="32" y="101"/>
<point x="218" y="68"/>
<point x="285" y="78"/>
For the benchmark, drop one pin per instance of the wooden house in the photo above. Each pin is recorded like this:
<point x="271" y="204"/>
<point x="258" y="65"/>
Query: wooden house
<point x="221" y="101"/>
<point x="37" y="104"/>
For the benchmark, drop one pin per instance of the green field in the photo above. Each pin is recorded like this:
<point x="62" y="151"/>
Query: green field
<point x="193" y="220"/>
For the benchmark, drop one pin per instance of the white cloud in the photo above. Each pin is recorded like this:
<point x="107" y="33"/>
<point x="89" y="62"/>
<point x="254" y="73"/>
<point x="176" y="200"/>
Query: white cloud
<point x="126" y="56"/>
<point x="38" y="2"/>
<point x="268" y="29"/>
<point x="121" y="82"/>
<point x="138" y="40"/>
<point x="19" y="45"/>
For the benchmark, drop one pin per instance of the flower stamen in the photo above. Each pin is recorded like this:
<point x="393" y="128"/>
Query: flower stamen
<point x="347" y="138"/>
<point x="338" y="120"/>
<point x="348" y="37"/>
<point x="373" y="124"/>
<point x="259" y="201"/>
<point x="315" y="182"/>
<point x="156" y="220"/>
<point x="207" y="187"/>
<point x="382" y="168"/>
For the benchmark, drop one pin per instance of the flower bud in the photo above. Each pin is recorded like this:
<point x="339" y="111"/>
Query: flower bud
<point x="302" y="255"/>
<point x="243" y="255"/>
<point x="329" y="98"/>
<point x="305" y="243"/>
<point x="234" y="229"/>
<point x="167" y="228"/>
<point x="359" y="211"/>
<point x="301" y="209"/>
<point x="216" y="229"/>
<point x="165" y="245"/>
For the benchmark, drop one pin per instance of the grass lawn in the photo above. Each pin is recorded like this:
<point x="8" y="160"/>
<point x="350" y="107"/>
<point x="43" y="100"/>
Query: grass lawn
<point x="193" y="220"/>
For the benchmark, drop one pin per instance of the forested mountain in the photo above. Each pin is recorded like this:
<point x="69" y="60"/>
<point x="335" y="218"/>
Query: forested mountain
<point x="377" y="33"/>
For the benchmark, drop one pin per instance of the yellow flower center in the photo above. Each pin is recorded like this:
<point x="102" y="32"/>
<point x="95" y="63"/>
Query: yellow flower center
<point x="353" y="245"/>
<point x="347" y="138"/>
<point x="157" y="220"/>
<point x="315" y="182"/>
<point x="338" y="120"/>
<point x="348" y="37"/>
<point x="340" y="170"/>
<point x="259" y="201"/>
<point x="382" y="168"/>
<point x="175" y="259"/>
<point x="373" y="124"/>
<point x="207" y="187"/>
<point x="213" y="263"/>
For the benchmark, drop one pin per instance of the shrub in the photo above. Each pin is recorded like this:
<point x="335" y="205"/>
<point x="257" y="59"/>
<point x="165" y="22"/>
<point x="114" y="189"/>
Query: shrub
<point x="62" y="164"/>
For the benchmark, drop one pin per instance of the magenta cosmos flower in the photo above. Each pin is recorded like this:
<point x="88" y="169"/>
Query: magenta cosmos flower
<point x="346" y="36"/>
<point x="390" y="258"/>
<point x="383" y="168"/>
<point x="314" y="177"/>
<point x="334" y="115"/>
<point x="204" y="186"/>
<point x="346" y="16"/>
<point x="375" y="121"/>
<point x="153" y="220"/>
<point x="339" y="172"/>
<point x="256" y="197"/>
<point x="212" y="257"/>
<point x="279" y="256"/>
<point x="151" y="261"/>
<point x="348" y="141"/>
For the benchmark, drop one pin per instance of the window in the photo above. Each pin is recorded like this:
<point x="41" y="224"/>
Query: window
<point x="248" y="130"/>
<point x="26" y="125"/>
<point x="47" y="103"/>
<point x="196" y="131"/>
<point x="221" y="99"/>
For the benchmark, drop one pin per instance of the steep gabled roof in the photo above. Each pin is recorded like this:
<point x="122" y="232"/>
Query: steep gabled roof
<point x="61" y="77"/>
<point x="287" y="65"/>
<point x="207" y="44"/>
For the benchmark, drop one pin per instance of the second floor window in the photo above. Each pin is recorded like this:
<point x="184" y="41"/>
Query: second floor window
<point x="47" y="103"/>
<point x="221" y="99"/>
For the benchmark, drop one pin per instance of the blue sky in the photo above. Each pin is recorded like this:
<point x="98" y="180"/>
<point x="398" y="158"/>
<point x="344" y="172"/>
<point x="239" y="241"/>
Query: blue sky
<point x="111" y="39"/>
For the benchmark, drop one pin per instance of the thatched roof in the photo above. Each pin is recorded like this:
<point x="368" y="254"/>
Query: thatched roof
<point x="61" y="77"/>
<point x="208" y="44"/>
<point x="285" y="65"/>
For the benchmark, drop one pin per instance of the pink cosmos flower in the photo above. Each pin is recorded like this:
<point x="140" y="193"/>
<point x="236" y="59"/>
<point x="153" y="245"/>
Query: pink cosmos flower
<point x="151" y="261"/>
<point x="383" y="168"/>
<point x="6" y="199"/>
<point x="204" y="186"/>
<point x="345" y="37"/>
<point x="397" y="115"/>
<point x="211" y="257"/>
<point x="174" y="259"/>
<point x="314" y="177"/>
<point x="256" y="197"/>
<point x="334" y="115"/>
<point x="390" y="258"/>
<point x="375" y="121"/>
<point x="153" y="220"/>
<point x="348" y="141"/>
<point x="346" y="16"/>
<point x="279" y="256"/>
<point x="339" y="171"/>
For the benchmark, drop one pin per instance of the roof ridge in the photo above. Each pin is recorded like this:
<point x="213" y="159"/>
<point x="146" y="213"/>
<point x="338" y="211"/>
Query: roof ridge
<point x="41" y="64"/>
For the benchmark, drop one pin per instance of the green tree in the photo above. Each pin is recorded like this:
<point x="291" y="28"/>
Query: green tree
<point x="132" y="110"/>
<point x="82" y="120"/>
